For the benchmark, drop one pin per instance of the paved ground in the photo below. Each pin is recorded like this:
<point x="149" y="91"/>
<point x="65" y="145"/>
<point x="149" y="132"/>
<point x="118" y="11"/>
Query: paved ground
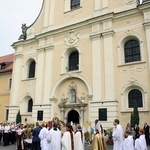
<point x="13" y="147"/>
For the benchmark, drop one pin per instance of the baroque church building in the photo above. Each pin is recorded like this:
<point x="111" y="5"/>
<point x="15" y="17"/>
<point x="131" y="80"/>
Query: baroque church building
<point x="82" y="60"/>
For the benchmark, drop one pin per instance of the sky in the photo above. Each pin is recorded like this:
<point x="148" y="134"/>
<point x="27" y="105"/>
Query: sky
<point x="13" y="13"/>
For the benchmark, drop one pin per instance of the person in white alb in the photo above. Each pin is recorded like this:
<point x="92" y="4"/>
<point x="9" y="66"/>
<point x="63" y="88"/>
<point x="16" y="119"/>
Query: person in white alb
<point x="43" y="137"/>
<point x="54" y="137"/>
<point x="128" y="143"/>
<point x="79" y="139"/>
<point x="140" y="143"/>
<point x="67" y="140"/>
<point x="117" y="135"/>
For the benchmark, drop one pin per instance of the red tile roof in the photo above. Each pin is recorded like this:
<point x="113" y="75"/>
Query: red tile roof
<point x="8" y="60"/>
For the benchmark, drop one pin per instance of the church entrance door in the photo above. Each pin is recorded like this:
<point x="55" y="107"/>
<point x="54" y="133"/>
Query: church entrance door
<point x="73" y="116"/>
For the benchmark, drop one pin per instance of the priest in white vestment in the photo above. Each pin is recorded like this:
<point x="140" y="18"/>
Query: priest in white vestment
<point x="54" y="137"/>
<point x="117" y="136"/>
<point x="140" y="143"/>
<point x="43" y="137"/>
<point x="67" y="140"/>
<point x="128" y="143"/>
<point x="79" y="139"/>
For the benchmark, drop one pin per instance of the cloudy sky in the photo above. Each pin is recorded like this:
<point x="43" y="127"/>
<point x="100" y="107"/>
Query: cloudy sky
<point x="12" y="14"/>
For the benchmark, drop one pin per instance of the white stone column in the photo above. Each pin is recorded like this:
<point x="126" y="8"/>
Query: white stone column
<point x="96" y="67"/>
<point x="109" y="65"/>
<point x="48" y="73"/>
<point x="16" y="80"/>
<point x="39" y="77"/>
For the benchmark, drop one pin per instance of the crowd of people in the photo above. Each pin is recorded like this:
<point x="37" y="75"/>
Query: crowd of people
<point x="134" y="138"/>
<point x="71" y="136"/>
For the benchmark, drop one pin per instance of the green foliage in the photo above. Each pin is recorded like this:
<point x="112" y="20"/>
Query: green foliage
<point x="131" y="120"/>
<point x="109" y="132"/>
<point x="18" y="117"/>
<point x="134" y="115"/>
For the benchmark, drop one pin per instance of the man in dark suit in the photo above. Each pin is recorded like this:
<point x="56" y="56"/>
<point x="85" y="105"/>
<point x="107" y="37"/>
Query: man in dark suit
<point x="146" y="130"/>
<point x="136" y="129"/>
<point x="36" y="140"/>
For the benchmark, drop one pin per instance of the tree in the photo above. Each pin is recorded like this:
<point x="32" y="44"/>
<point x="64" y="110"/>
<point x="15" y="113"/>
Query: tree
<point x="18" y="117"/>
<point x="131" y="120"/>
<point x="135" y="115"/>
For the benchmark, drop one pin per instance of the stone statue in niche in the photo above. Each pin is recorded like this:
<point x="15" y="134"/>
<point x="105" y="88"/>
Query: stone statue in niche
<point x="72" y="96"/>
<point x="24" y="30"/>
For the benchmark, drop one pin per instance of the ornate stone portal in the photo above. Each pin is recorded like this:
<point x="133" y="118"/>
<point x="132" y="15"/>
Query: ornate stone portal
<point x="72" y="107"/>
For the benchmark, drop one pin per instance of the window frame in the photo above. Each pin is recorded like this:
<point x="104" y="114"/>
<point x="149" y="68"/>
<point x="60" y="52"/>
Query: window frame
<point x="124" y="96"/>
<point x="65" y="60"/>
<point x="120" y="47"/>
<point x="74" y="4"/>
<point x="67" y="7"/>
<point x="31" y="70"/>
<point x="72" y="65"/>
<point x="131" y="51"/>
<point x="131" y="99"/>
<point x="30" y="105"/>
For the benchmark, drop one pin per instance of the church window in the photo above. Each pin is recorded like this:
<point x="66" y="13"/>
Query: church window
<point x="103" y="114"/>
<point x="72" y="96"/>
<point x="40" y="115"/>
<point x="74" y="61"/>
<point x="135" y="95"/>
<point x="75" y="4"/>
<point x="31" y="70"/>
<point x="132" y="51"/>
<point x="30" y="104"/>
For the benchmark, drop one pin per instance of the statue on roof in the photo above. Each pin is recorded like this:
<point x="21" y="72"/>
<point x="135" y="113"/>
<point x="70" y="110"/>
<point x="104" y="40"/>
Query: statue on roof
<point x="23" y="35"/>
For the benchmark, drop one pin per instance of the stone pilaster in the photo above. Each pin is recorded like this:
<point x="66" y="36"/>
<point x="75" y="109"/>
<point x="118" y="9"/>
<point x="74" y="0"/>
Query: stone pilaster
<point x="47" y="13"/>
<point x="16" y="80"/>
<point x="39" y="76"/>
<point x="109" y="65"/>
<point x="48" y="73"/>
<point x="51" y="17"/>
<point x="96" y="67"/>
<point x="147" y="30"/>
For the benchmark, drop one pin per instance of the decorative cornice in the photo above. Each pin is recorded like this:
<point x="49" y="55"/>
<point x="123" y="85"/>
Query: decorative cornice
<point x="95" y="36"/>
<point x="145" y="6"/>
<point x="146" y="25"/>
<point x="45" y="48"/>
<point x="109" y="33"/>
<point x="18" y="56"/>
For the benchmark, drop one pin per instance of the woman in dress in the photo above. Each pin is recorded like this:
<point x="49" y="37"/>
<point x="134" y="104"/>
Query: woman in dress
<point x="19" y="139"/>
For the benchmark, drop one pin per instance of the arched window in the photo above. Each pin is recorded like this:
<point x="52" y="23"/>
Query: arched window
<point x="132" y="51"/>
<point x="30" y="104"/>
<point x="72" y="96"/>
<point x="135" y="95"/>
<point x="75" y="4"/>
<point x="31" y="70"/>
<point x="74" y="61"/>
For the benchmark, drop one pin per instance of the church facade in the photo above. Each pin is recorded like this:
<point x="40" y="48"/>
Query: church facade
<point x="82" y="60"/>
